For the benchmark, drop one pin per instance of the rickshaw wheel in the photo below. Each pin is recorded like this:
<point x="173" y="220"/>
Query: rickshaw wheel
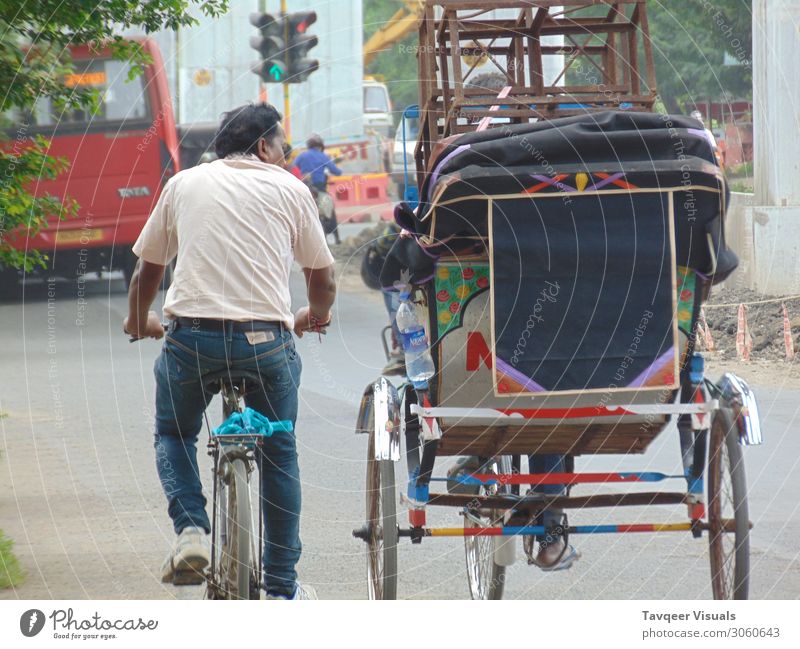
<point x="486" y="578"/>
<point x="382" y="526"/>
<point x="729" y="524"/>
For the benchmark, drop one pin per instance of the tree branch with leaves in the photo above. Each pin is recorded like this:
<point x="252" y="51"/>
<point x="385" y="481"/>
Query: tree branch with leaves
<point x="35" y="41"/>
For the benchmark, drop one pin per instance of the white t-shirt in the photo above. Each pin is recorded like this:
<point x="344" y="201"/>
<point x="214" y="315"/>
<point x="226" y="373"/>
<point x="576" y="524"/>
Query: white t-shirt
<point x="235" y="225"/>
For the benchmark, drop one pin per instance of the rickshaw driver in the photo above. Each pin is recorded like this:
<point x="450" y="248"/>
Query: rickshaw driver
<point x="235" y="225"/>
<point x="554" y="554"/>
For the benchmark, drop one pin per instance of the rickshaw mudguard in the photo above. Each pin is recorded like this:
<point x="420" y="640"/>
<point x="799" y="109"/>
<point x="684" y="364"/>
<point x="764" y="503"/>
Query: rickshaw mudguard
<point x="379" y="413"/>
<point x="737" y="395"/>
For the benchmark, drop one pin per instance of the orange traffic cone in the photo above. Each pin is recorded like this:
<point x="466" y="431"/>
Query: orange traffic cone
<point x="787" y="335"/>
<point x="705" y="332"/>
<point x="744" y="341"/>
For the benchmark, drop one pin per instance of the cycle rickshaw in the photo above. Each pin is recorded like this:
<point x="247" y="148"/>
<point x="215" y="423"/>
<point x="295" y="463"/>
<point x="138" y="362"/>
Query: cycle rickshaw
<point x="569" y="260"/>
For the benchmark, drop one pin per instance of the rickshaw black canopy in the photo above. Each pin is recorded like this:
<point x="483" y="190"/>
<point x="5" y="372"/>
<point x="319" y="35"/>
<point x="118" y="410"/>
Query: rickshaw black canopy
<point x="598" y="152"/>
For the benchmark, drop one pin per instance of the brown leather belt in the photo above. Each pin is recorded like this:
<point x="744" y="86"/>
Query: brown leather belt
<point x="211" y="324"/>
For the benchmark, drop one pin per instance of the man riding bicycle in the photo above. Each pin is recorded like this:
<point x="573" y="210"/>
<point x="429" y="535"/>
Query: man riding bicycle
<point x="315" y="165"/>
<point x="235" y="226"/>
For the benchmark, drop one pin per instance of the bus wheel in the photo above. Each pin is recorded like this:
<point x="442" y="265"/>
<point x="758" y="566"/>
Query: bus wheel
<point x="10" y="287"/>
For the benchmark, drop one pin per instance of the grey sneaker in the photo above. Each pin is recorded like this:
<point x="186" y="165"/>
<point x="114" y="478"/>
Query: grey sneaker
<point x="185" y="564"/>
<point x="300" y="592"/>
<point x="395" y="367"/>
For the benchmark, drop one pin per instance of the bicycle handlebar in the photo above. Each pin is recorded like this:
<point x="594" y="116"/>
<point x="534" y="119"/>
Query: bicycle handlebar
<point x="136" y="339"/>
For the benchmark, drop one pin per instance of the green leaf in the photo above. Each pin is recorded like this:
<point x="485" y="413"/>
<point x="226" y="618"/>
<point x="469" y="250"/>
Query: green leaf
<point x="11" y="574"/>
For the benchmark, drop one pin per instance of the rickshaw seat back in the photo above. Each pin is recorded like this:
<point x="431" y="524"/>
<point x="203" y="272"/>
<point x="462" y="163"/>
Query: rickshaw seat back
<point x="465" y="379"/>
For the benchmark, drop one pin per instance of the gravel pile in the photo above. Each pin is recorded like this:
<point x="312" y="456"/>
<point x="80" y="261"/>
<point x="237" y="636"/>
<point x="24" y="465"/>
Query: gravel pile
<point x="765" y="322"/>
<point x="356" y="246"/>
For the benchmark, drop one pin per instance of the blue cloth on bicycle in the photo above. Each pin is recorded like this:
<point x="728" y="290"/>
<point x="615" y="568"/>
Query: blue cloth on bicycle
<point x="251" y="422"/>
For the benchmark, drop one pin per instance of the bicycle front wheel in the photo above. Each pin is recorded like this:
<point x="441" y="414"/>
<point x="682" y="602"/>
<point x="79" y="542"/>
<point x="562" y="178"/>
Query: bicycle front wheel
<point x="382" y="525"/>
<point x="729" y="522"/>
<point x="235" y="562"/>
<point x="486" y="578"/>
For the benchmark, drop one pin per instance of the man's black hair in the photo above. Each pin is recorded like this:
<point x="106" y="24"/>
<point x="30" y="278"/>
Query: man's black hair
<point x="242" y="128"/>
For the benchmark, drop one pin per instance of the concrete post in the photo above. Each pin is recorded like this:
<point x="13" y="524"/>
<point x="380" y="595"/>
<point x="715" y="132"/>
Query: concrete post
<point x="776" y="139"/>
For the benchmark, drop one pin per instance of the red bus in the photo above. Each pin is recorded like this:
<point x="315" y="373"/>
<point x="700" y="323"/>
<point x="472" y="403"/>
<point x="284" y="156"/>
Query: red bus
<point x="120" y="157"/>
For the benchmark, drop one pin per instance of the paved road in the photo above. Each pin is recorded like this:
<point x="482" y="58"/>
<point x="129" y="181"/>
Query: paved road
<point x="79" y="494"/>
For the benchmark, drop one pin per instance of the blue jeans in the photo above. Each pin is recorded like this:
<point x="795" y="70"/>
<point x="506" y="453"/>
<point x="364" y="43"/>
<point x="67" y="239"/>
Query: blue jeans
<point x="181" y="399"/>
<point x="548" y="463"/>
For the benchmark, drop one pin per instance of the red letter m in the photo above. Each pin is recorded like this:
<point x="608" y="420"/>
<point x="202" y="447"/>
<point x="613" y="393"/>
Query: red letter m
<point x="477" y="351"/>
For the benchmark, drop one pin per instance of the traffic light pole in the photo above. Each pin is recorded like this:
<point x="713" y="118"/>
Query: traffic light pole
<point x="287" y="106"/>
<point x="262" y="87"/>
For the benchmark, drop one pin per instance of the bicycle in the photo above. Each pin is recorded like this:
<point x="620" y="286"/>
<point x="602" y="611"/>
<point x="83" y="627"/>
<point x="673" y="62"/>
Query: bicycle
<point x="234" y="573"/>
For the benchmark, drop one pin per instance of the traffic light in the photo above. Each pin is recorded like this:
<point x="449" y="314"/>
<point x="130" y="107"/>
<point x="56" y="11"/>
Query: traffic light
<point x="283" y="44"/>
<point x="271" y="45"/>
<point x="300" y="42"/>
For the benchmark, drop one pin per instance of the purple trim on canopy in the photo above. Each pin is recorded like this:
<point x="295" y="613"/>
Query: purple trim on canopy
<point x="606" y="181"/>
<point x="554" y="182"/>
<point x="519" y="377"/>
<point x="667" y="356"/>
<point x="444" y="161"/>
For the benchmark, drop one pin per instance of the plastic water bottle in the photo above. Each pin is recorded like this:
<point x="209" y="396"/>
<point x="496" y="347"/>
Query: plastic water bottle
<point x="419" y="364"/>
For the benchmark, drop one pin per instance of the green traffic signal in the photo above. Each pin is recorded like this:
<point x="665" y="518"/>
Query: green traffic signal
<point x="272" y="71"/>
<point x="276" y="72"/>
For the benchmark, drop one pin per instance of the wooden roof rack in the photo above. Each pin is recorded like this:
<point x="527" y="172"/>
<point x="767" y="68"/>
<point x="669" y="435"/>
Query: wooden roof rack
<point x="546" y="59"/>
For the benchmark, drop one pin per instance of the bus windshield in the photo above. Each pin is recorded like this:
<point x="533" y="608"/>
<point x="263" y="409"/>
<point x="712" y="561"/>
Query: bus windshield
<point x="120" y="100"/>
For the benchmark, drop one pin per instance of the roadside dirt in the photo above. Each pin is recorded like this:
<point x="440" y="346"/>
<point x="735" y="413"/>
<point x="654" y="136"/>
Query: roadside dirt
<point x="348" y="256"/>
<point x="763" y="373"/>
<point x="765" y="322"/>
<point x="354" y="246"/>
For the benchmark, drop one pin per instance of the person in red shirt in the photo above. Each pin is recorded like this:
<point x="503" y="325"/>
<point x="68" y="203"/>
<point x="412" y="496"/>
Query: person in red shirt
<point x="288" y="165"/>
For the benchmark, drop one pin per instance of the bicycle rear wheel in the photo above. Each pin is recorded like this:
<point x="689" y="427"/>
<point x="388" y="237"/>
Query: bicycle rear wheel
<point x="235" y="564"/>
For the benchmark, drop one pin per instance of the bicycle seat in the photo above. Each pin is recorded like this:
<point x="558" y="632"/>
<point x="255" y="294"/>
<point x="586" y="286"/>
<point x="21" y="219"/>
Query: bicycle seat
<point x="213" y="381"/>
